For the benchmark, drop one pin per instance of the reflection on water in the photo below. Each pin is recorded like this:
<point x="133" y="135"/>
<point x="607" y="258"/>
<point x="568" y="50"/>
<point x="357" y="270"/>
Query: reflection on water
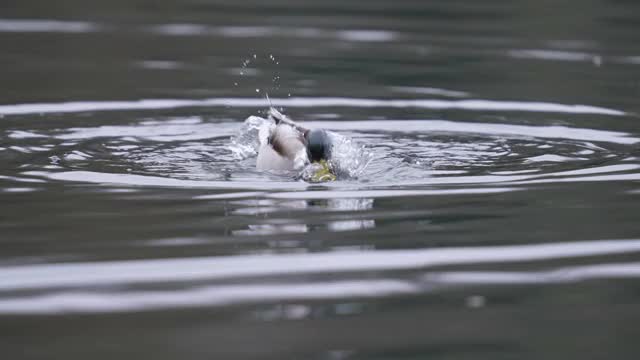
<point x="274" y="225"/>
<point x="488" y="207"/>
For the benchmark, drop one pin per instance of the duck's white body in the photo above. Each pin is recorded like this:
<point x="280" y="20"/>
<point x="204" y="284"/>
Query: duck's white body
<point x="284" y="149"/>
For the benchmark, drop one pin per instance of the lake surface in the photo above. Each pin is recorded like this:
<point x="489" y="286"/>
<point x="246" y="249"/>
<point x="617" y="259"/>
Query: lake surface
<point x="497" y="217"/>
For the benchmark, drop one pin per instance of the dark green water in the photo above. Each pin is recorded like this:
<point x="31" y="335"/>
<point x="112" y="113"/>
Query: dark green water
<point x="497" y="219"/>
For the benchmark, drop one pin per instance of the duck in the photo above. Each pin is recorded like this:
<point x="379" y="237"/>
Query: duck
<point x="290" y="146"/>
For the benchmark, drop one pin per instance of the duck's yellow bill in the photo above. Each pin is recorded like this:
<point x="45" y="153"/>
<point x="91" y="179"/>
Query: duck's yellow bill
<point x="323" y="172"/>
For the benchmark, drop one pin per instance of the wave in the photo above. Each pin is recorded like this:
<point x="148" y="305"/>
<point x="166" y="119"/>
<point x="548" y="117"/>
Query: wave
<point x="298" y="102"/>
<point x="120" y="273"/>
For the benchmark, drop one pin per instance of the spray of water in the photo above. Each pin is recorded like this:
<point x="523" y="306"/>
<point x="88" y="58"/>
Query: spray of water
<point x="348" y="158"/>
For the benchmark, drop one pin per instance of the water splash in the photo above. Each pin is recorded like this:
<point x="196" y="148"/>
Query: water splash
<point x="254" y="131"/>
<point x="348" y="158"/>
<point x="253" y="65"/>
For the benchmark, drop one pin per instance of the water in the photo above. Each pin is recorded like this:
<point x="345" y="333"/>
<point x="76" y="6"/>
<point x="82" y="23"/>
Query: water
<point x="496" y="216"/>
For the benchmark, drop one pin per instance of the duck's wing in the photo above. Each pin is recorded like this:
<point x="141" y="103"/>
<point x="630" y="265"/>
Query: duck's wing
<point x="269" y="159"/>
<point x="277" y="116"/>
<point x="287" y="141"/>
<point x="285" y="150"/>
<point x="280" y="118"/>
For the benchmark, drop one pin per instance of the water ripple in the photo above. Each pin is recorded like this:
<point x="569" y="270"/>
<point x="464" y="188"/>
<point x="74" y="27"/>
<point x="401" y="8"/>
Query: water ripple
<point x="47" y="26"/>
<point x="298" y="102"/>
<point x="194" y="152"/>
<point x="50" y="276"/>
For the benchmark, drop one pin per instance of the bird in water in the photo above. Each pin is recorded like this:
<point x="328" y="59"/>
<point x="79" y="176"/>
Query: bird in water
<point x="290" y="146"/>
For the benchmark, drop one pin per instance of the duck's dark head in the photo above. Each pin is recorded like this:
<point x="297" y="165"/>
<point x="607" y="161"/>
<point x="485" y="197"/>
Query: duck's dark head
<point x="318" y="145"/>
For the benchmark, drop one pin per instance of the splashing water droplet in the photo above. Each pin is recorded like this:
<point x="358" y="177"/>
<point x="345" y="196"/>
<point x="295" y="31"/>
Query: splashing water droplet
<point x="253" y="132"/>
<point x="348" y="158"/>
<point x="257" y="90"/>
